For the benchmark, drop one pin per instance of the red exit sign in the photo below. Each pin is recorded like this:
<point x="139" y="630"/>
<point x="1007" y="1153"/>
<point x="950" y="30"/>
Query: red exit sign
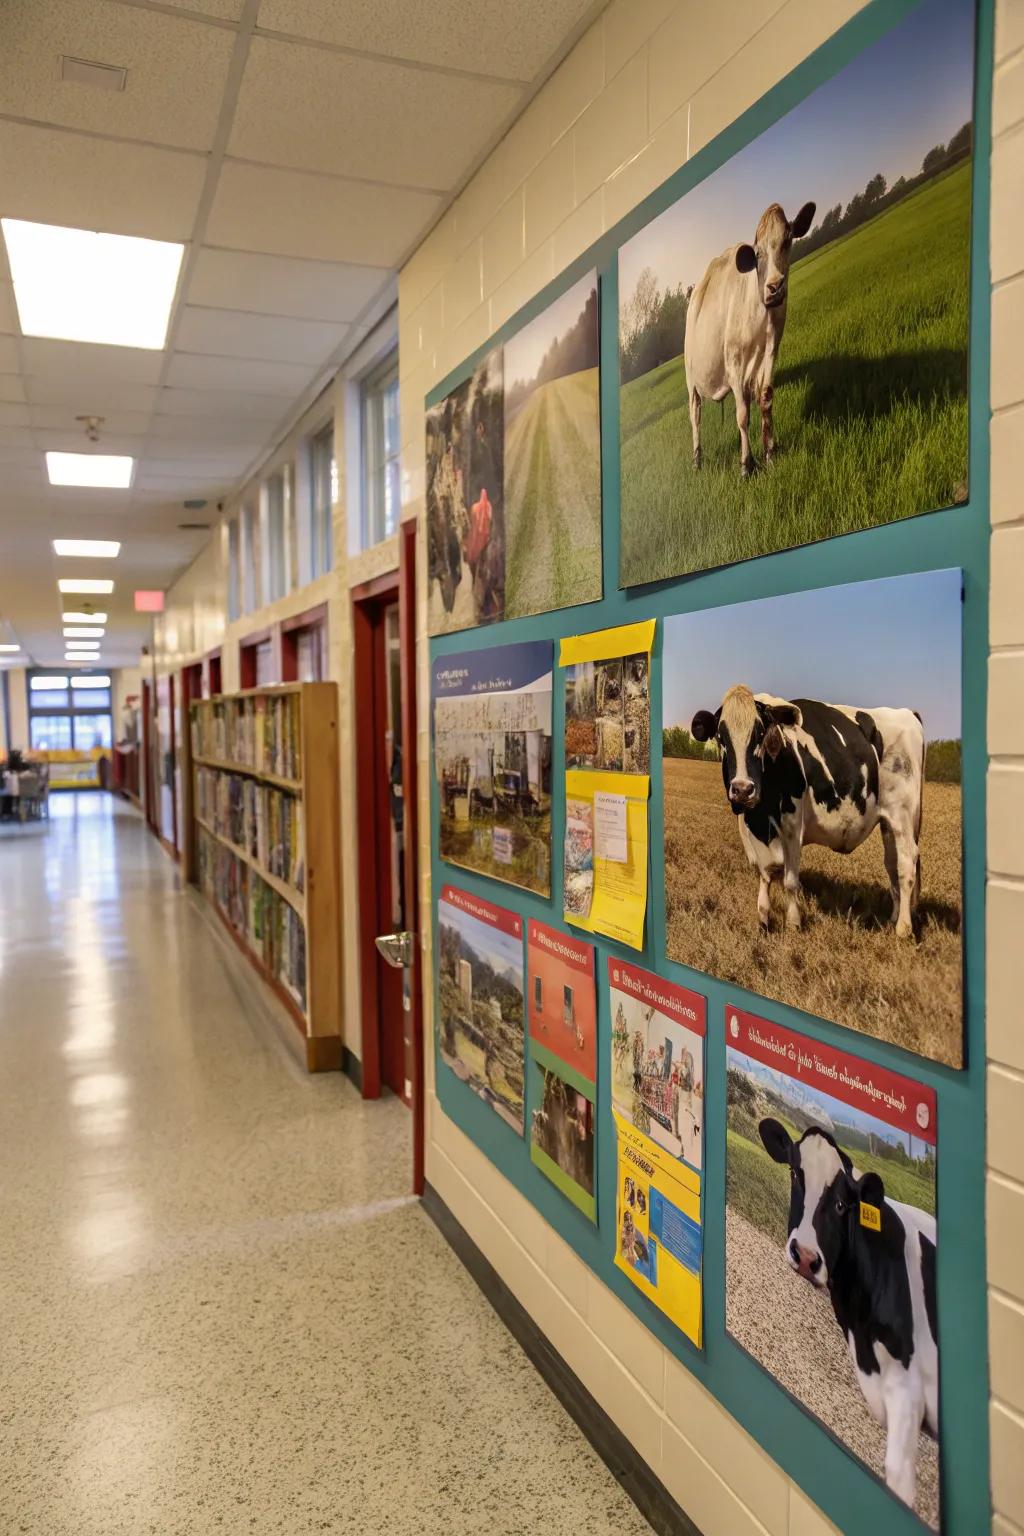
<point x="149" y="602"/>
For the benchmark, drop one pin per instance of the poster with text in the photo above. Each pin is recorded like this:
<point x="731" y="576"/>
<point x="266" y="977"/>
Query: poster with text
<point x="465" y="450"/>
<point x="658" y="1031"/>
<point x="562" y="1138"/>
<point x="553" y="456"/>
<point x="492" y="755"/>
<point x="812" y="848"/>
<point x="659" y="1238"/>
<point x="562" y="1004"/>
<point x="831" y="1245"/>
<point x="481" y="1014"/>
<point x="817" y="287"/>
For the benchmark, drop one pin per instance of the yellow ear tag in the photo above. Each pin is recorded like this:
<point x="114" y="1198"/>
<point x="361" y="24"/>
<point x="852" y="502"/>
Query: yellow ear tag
<point x="870" y="1216"/>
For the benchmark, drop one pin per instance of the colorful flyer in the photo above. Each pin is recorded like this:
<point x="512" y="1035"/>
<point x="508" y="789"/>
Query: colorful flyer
<point x="659" y="1239"/>
<point x="658" y="1031"/>
<point x="480" y="999"/>
<point x="563" y="1004"/>
<point x="492" y="756"/>
<point x="579" y="857"/>
<point x="562" y="1138"/>
<point x="830" y="1216"/>
<point x="608" y="759"/>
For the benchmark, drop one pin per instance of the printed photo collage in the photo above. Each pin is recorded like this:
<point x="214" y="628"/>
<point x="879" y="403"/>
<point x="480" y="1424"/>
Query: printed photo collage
<point x="807" y="761"/>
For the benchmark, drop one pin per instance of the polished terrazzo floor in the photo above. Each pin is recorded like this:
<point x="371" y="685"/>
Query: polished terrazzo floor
<point x="221" y="1310"/>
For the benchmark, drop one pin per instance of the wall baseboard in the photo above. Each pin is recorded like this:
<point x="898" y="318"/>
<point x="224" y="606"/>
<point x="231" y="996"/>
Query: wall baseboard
<point x="352" y="1067"/>
<point x="625" y="1463"/>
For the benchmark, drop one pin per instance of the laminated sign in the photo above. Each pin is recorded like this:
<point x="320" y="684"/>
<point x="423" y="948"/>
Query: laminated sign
<point x="563" y="1050"/>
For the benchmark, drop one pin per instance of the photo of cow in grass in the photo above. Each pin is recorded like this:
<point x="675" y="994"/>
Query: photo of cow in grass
<point x="793" y="330"/>
<point x="815" y="856"/>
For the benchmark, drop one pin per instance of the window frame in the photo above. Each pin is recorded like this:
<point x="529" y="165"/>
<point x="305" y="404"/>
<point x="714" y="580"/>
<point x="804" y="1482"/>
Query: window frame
<point x="376" y="460"/>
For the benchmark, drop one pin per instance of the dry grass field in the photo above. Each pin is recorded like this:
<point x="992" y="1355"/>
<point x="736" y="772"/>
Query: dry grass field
<point x="846" y="963"/>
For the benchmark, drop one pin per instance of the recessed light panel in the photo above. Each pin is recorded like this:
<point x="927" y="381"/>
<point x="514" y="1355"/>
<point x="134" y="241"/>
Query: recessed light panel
<point x="81" y="645"/>
<point x="6" y="647"/>
<point x="91" y="680"/>
<point x="79" y="616"/>
<point x="93" y="549"/>
<point x="83" y="632"/>
<point x="77" y="285"/>
<point x="85" y="584"/>
<point x="104" y="471"/>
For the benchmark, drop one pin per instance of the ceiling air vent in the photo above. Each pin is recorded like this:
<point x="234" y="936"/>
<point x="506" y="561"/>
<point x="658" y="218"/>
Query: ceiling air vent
<point x="193" y="527"/>
<point x="103" y="77"/>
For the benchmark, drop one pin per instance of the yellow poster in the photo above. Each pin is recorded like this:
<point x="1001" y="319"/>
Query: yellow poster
<point x="607" y="781"/>
<point x="659" y="1240"/>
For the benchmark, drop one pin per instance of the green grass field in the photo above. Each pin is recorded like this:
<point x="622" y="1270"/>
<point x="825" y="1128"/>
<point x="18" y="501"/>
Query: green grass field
<point x="553" y="498"/>
<point x="870" y="404"/>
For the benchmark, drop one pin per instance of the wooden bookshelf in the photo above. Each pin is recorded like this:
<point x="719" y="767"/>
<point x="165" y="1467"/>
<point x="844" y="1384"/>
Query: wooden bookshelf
<point x="263" y="824"/>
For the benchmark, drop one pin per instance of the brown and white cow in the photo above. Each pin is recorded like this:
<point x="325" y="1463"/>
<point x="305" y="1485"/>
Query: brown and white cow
<point x="734" y="324"/>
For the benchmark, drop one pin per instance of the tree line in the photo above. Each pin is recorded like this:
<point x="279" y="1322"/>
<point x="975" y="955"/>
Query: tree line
<point x="572" y="353"/>
<point x="652" y="322"/>
<point x="941" y="761"/>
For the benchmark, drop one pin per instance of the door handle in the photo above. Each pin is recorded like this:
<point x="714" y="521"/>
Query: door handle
<point x="395" y="948"/>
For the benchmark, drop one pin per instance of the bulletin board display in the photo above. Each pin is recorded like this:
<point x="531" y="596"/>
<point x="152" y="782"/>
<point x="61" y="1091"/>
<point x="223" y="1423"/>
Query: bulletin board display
<point x="929" y="549"/>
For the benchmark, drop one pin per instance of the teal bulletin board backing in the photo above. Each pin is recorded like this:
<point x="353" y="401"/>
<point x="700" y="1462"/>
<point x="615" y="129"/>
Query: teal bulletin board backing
<point x="844" y="1489"/>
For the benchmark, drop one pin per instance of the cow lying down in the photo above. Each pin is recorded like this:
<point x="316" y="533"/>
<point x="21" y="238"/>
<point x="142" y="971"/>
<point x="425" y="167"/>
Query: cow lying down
<point x="799" y="771"/>
<point x="881" y="1284"/>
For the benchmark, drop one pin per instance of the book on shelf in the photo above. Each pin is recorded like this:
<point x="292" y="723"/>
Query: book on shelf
<point x="267" y="923"/>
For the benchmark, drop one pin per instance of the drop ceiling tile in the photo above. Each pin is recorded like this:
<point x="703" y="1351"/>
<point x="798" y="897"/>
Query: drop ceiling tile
<point x="316" y="110"/>
<point x="191" y="371"/>
<point x="12" y="389"/>
<point x="224" y="10"/>
<point x="176" y="69"/>
<point x="280" y="285"/>
<point x="180" y="487"/>
<point x="116" y="423"/>
<point x="9" y="362"/>
<point x="54" y="177"/>
<point x="102" y="397"/>
<point x="47" y="438"/>
<point x="80" y="361"/>
<point x="222" y="404"/>
<point x="14" y="415"/>
<point x="477" y="37"/>
<point x="171" y="459"/>
<point x="287" y="213"/>
<point x="230" y="333"/>
<point x="6" y="306"/>
<point x="225" y="437"/>
<point x="15" y="437"/>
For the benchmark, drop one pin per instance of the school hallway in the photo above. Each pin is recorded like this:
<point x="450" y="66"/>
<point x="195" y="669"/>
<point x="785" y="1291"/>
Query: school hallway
<point x="223" y="1311"/>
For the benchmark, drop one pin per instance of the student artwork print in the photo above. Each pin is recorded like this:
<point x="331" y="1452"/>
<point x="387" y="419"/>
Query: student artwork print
<point x="562" y="1003"/>
<point x="553" y="456"/>
<point x="480" y="999"/>
<point x="793" y="332"/>
<point x="492" y="755"/>
<point x="831" y="1245"/>
<point x="562" y="1138"/>
<point x="465" y="446"/>
<point x="813" y="818"/>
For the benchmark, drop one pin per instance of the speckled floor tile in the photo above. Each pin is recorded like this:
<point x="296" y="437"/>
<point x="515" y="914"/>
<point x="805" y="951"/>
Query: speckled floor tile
<point x="222" y="1311"/>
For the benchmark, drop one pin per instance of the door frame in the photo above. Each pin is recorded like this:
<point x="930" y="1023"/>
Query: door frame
<point x="150" y="807"/>
<point x="367" y="599"/>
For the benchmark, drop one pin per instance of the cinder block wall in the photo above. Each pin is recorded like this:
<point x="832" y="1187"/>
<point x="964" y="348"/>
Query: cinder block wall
<point x="1005" y="916"/>
<point x="646" y="87"/>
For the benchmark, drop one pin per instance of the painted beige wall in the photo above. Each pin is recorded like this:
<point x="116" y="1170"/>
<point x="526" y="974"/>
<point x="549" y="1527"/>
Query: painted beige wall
<point x="644" y="89"/>
<point x="17" y="684"/>
<point x="1005" y="918"/>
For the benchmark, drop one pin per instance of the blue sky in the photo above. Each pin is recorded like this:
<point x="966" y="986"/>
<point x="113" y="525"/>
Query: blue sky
<point x="882" y="112"/>
<point x="502" y="950"/>
<point x="895" y="642"/>
<point x="524" y="353"/>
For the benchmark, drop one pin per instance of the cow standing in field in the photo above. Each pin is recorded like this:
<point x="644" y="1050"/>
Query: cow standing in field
<point x="881" y="1283"/>
<point x="734" y="324"/>
<point x="799" y="771"/>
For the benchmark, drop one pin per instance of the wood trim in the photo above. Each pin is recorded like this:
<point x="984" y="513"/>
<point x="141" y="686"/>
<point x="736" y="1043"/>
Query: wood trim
<point x="362" y="663"/>
<point x="410" y="798"/>
<point x="323" y="860"/>
<point x="323" y="1053"/>
<point x="317" y="615"/>
<point x="378" y="586"/>
<point x="661" y="1511"/>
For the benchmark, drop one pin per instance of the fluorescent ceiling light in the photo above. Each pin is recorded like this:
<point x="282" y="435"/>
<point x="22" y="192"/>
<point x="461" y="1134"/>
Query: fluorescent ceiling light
<point x="96" y="549"/>
<point x="91" y="680"/>
<point x="87" y="647"/>
<point x="104" y="471"/>
<point x="77" y="285"/>
<point x="79" y="661"/>
<point x="81" y="617"/>
<point x="10" y="647"/>
<point x="85" y="584"/>
<point x="83" y="632"/>
<point x="40" y="684"/>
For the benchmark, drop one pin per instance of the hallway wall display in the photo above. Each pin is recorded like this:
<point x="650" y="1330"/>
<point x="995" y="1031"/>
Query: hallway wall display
<point x="481" y="1026"/>
<point x="831" y="1244"/>
<point x="607" y="780"/>
<point x="492" y="754"/>
<point x="513" y="474"/>
<point x="657" y="1066"/>
<point x="563" y="1047"/>
<point x="818" y="285"/>
<point x="866" y="930"/>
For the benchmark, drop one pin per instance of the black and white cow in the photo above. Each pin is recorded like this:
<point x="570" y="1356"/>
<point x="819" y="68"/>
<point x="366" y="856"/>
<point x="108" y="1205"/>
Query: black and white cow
<point x="881" y="1285"/>
<point x="798" y="771"/>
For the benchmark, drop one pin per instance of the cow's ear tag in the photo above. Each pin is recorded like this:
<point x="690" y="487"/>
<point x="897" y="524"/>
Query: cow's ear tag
<point x="870" y="1216"/>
